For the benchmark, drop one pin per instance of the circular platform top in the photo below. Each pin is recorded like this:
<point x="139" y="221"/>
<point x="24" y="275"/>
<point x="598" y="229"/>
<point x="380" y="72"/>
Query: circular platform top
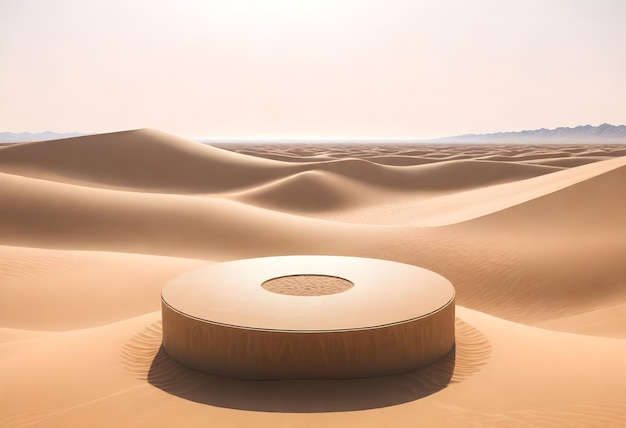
<point x="344" y="293"/>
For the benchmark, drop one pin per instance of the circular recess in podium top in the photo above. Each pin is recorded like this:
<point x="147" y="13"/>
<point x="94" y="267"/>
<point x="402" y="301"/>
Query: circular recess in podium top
<point x="298" y="317"/>
<point x="307" y="285"/>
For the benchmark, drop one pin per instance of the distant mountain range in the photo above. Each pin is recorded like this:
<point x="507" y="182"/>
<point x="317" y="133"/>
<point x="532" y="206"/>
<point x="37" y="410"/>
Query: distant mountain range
<point x="604" y="133"/>
<point x="23" y="137"/>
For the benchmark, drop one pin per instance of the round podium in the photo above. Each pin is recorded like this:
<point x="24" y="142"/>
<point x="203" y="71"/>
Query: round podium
<point x="303" y="317"/>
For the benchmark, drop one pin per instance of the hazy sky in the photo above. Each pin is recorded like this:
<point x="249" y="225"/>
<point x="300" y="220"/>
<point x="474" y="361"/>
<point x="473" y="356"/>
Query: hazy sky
<point x="316" y="68"/>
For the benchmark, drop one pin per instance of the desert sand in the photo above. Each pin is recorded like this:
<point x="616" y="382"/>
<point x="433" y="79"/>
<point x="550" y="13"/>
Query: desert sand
<point x="533" y="238"/>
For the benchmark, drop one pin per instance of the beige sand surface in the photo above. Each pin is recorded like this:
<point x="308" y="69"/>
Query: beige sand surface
<point x="532" y="237"/>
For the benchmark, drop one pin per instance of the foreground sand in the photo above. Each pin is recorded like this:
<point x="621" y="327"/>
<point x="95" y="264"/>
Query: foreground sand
<point x="532" y="237"/>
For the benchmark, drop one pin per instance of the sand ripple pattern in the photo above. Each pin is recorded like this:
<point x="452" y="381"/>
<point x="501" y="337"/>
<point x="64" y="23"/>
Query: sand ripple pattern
<point x="588" y="415"/>
<point x="32" y="263"/>
<point x="144" y="357"/>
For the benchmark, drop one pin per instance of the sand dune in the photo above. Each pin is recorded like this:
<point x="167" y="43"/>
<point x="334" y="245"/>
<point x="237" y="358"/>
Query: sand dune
<point x="401" y="160"/>
<point x="450" y="175"/>
<point x="586" y="200"/>
<point x="458" y="207"/>
<point x="346" y="185"/>
<point x="38" y="211"/>
<point x="532" y="237"/>
<point x="42" y="286"/>
<point x="284" y="157"/>
<point x="568" y="162"/>
<point x="141" y="159"/>
<point x="311" y="191"/>
<point x="154" y="161"/>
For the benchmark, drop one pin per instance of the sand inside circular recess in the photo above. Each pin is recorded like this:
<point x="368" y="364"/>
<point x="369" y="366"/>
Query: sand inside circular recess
<point x="307" y="285"/>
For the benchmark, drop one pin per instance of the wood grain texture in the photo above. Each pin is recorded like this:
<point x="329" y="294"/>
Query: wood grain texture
<point x="247" y="353"/>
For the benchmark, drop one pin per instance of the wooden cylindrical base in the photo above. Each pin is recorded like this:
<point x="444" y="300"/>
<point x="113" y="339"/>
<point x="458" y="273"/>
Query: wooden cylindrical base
<point x="220" y="319"/>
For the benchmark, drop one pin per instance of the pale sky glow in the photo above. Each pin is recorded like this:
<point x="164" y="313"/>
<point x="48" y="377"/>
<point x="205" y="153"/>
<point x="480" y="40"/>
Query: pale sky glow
<point x="311" y="69"/>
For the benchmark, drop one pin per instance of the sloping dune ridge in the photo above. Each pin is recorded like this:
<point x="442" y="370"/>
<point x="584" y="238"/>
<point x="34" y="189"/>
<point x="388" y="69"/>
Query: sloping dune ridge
<point x="533" y="237"/>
